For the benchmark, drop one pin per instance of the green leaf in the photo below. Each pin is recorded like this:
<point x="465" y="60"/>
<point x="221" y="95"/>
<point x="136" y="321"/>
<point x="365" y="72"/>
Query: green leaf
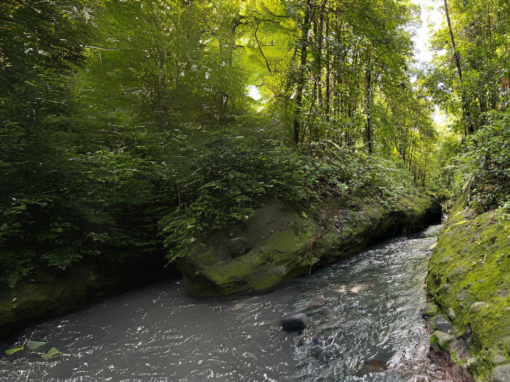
<point x="53" y="353"/>
<point x="34" y="345"/>
<point x="12" y="351"/>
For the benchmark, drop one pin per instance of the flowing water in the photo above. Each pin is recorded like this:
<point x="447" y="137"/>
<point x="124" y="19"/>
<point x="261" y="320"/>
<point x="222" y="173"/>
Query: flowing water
<point x="364" y="326"/>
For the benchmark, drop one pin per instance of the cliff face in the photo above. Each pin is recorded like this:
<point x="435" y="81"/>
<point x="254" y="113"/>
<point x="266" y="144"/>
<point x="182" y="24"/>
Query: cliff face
<point x="469" y="278"/>
<point x="280" y="242"/>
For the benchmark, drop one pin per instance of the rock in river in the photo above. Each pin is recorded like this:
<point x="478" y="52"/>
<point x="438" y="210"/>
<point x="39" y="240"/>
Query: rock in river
<point x="315" y="302"/>
<point x="295" y="323"/>
<point x="443" y="325"/>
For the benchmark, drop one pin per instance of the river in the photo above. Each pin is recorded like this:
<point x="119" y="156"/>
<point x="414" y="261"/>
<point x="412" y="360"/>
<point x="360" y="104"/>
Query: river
<point x="365" y="326"/>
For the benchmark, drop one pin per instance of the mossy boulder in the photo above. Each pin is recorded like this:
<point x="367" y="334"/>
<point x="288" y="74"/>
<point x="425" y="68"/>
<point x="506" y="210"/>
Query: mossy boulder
<point x="281" y="241"/>
<point x="440" y="341"/>
<point x="501" y="374"/>
<point x="43" y="295"/>
<point x="469" y="275"/>
<point x="430" y="310"/>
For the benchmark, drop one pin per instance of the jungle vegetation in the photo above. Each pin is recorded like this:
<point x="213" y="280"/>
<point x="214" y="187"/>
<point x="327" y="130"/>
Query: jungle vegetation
<point x="132" y="128"/>
<point x="470" y="80"/>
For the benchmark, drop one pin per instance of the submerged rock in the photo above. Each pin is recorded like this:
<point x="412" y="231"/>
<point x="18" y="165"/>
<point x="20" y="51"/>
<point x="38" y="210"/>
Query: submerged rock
<point x="314" y="303"/>
<point x="295" y="323"/>
<point x="332" y="323"/>
<point x="324" y="346"/>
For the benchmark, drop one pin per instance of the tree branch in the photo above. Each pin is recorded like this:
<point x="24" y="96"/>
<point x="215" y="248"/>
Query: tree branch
<point x="260" y="48"/>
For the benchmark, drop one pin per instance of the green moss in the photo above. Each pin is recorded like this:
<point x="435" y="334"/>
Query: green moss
<point x="469" y="271"/>
<point x="283" y="242"/>
<point x="434" y="344"/>
<point x="458" y="207"/>
<point x="453" y="357"/>
<point x="46" y="295"/>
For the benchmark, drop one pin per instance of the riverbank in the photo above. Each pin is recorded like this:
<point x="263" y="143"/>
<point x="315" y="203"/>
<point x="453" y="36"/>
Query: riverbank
<point x="363" y="314"/>
<point x="469" y="279"/>
<point x="51" y="292"/>
<point x="278" y="243"/>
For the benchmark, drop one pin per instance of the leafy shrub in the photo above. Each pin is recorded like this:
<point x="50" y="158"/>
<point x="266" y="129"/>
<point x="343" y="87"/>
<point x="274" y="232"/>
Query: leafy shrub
<point x="484" y="170"/>
<point x="231" y="175"/>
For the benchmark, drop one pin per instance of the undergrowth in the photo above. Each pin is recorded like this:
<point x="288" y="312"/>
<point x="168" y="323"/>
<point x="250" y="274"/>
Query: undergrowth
<point x="235" y="174"/>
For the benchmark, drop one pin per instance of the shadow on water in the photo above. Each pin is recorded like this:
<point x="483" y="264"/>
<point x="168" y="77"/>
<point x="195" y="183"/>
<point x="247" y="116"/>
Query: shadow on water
<point x="364" y="325"/>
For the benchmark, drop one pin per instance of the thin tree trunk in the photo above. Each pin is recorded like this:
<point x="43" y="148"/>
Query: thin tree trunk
<point x="456" y="56"/>
<point x="319" y="35"/>
<point x="368" y="132"/>
<point x="328" y="90"/>
<point x="302" y="71"/>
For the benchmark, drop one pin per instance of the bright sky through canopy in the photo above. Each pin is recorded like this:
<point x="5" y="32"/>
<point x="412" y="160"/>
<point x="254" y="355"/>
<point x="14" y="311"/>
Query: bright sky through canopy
<point x="430" y="15"/>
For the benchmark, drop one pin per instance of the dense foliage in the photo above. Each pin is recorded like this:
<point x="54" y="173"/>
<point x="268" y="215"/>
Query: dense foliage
<point x="484" y="171"/>
<point x="131" y="128"/>
<point x="470" y="80"/>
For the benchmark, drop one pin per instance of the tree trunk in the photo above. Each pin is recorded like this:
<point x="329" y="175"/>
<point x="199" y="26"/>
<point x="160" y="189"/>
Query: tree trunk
<point x="328" y="90"/>
<point x="302" y="71"/>
<point x="456" y="56"/>
<point x="368" y="90"/>
<point x="319" y="35"/>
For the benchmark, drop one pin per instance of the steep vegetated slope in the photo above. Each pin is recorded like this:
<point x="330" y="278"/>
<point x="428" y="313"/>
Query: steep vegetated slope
<point x="469" y="279"/>
<point x="468" y="272"/>
<point x="129" y="131"/>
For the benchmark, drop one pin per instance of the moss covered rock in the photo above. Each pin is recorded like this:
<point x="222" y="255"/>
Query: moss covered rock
<point x="430" y="310"/>
<point x="50" y="292"/>
<point x="440" y="341"/>
<point x="280" y="242"/>
<point x="42" y="296"/>
<point x="469" y="274"/>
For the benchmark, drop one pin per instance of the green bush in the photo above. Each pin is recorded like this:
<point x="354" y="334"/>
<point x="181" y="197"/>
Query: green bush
<point x="231" y="175"/>
<point x="484" y="170"/>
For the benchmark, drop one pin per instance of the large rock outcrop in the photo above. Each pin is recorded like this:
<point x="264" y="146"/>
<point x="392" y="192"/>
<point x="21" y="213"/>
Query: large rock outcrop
<point x="280" y="242"/>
